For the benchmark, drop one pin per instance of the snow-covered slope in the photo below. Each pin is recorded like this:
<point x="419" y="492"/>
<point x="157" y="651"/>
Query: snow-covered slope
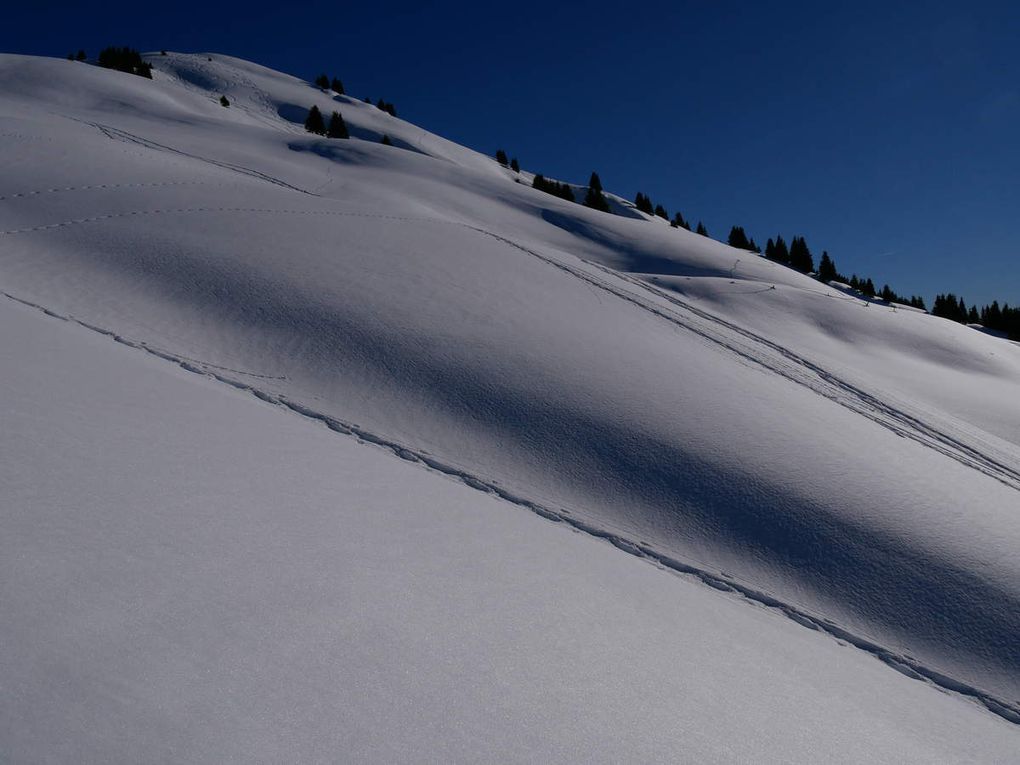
<point x="855" y="465"/>
<point x="189" y="574"/>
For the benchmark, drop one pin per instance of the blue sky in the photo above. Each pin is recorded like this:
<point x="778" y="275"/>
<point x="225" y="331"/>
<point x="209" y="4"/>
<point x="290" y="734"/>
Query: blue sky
<point x="886" y="133"/>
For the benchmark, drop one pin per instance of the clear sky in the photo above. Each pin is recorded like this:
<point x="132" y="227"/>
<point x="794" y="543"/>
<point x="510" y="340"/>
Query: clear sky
<point x="886" y="133"/>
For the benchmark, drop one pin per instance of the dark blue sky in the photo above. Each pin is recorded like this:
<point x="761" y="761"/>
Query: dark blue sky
<point x="886" y="133"/>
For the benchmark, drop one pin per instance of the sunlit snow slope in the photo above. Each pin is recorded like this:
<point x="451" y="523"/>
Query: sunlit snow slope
<point x="854" y="465"/>
<point x="189" y="574"/>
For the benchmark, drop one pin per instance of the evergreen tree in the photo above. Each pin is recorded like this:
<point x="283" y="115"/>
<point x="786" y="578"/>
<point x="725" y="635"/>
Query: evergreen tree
<point x="855" y="282"/>
<point x="314" y="123"/>
<point x="594" y="198"/>
<point x="644" y="204"/>
<point x="224" y="101"/>
<point x="501" y="157"/>
<point x="738" y="238"/>
<point x="337" y="127"/>
<point x="81" y="55"/>
<point x="826" y="269"/>
<point x="322" y="81"/>
<point x="868" y="287"/>
<point x="386" y="141"/>
<point x="753" y="246"/>
<point x="701" y="229"/>
<point x="679" y="222"/>
<point x="561" y="190"/>
<point x="515" y="165"/>
<point x="661" y="212"/>
<point x="800" y="256"/>
<point x="780" y="253"/>
<point x="125" y="60"/>
<point x="389" y="108"/>
<point x="337" y="86"/>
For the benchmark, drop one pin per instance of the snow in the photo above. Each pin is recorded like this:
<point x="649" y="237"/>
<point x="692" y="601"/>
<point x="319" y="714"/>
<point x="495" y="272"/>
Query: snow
<point x="851" y="464"/>
<point x="191" y="574"/>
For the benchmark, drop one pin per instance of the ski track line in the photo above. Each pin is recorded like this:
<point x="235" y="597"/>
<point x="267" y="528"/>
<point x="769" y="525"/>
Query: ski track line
<point x="906" y="665"/>
<point x="104" y="187"/>
<point x="122" y="135"/>
<point x="791" y="366"/>
<point x="746" y="345"/>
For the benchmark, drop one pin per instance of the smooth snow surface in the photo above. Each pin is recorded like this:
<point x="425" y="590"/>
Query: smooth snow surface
<point x="850" y="464"/>
<point x="192" y="575"/>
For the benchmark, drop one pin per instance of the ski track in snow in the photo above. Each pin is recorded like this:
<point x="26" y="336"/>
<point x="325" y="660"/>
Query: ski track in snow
<point x="116" y="134"/>
<point x="904" y="664"/>
<point x="747" y="345"/>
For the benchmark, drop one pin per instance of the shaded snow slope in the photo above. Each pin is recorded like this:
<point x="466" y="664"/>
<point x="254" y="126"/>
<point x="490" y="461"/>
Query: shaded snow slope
<point x="191" y="574"/>
<point x="859" y="464"/>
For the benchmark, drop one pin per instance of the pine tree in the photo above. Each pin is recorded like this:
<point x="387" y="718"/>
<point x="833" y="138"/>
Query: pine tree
<point x="738" y="238"/>
<point x="337" y="86"/>
<point x="314" y="122"/>
<point x="800" y="256"/>
<point x="826" y="269"/>
<point x="701" y="229"/>
<point x="386" y="141"/>
<point x="644" y="204"/>
<point x="780" y="253"/>
<point x="322" y="81"/>
<point x="561" y="190"/>
<point x="124" y="60"/>
<point x="679" y="222"/>
<point x="868" y="287"/>
<point x="337" y="128"/>
<point x="594" y="198"/>
<point x="224" y="101"/>
<point x="515" y="165"/>
<point x="661" y="212"/>
<point x="501" y="157"/>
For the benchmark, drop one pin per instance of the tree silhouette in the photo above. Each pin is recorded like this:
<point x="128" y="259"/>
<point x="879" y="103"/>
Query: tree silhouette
<point x="314" y="122"/>
<point x="593" y="198"/>
<point x="337" y="128"/>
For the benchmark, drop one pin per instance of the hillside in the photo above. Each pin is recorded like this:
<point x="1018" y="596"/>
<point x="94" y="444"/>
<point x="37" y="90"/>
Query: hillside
<point x="853" y="466"/>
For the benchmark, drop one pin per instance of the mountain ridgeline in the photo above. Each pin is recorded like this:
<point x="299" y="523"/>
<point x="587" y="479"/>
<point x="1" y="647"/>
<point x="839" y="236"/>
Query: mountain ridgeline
<point x="796" y="255"/>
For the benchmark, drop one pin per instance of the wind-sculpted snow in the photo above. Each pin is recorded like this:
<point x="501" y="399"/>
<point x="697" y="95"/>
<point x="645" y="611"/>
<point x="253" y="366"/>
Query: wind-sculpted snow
<point x="691" y="402"/>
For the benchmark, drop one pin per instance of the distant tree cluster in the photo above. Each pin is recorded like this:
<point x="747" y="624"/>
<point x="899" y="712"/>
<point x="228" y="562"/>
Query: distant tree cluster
<point x="738" y="238"/>
<point x="679" y="222"/>
<point x="557" y="189"/>
<point x="797" y="256"/>
<point x="1000" y="318"/>
<point x="124" y="60"/>
<point x="326" y="83"/>
<point x="79" y="56"/>
<point x="315" y="123"/>
<point x="513" y="164"/>
<point x="387" y="107"/>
